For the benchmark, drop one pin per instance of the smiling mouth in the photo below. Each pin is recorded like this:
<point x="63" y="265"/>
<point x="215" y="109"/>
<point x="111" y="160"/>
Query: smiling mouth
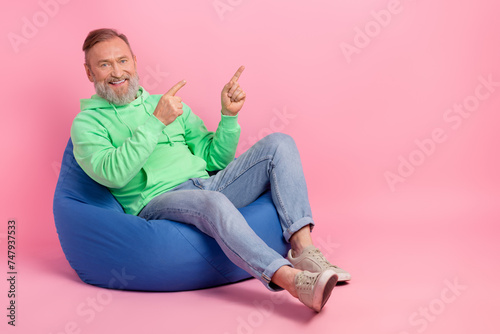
<point x="117" y="83"/>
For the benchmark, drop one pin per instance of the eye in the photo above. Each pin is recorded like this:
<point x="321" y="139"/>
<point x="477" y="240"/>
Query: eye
<point x="123" y="61"/>
<point x="104" y="65"/>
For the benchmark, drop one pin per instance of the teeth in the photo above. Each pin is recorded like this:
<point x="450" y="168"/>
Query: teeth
<point x="117" y="82"/>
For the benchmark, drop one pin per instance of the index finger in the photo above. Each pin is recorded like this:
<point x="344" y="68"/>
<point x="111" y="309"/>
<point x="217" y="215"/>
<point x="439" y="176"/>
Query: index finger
<point x="236" y="75"/>
<point x="172" y="91"/>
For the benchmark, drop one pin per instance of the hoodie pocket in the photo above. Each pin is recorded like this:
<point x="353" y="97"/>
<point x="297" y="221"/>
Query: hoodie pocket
<point x="148" y="176"/>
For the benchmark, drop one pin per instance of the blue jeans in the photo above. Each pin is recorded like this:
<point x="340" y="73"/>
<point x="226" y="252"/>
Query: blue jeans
<point x="211" y="204"/>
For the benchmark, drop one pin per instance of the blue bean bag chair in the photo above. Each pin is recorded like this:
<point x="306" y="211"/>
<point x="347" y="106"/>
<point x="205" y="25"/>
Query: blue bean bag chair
<point x="111" y="249"/>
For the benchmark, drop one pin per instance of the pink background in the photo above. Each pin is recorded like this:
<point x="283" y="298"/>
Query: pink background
<point x="354" y="117"/>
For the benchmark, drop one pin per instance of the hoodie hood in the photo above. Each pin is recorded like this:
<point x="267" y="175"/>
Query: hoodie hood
<point x="97" y="102"/>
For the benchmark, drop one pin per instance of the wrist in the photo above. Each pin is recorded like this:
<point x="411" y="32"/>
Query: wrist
<point x="226" y="112"/>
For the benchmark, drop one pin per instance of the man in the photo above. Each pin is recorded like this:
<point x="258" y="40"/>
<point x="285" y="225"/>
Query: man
<point x="153" y="153"/>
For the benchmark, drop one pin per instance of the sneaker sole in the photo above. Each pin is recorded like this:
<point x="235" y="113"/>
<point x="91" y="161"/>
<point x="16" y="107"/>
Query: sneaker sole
<point x="324" y="286"/>
<point x="343" y="277"/>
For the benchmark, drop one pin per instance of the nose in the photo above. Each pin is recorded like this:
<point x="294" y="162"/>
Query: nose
<point x="116" y="70"/>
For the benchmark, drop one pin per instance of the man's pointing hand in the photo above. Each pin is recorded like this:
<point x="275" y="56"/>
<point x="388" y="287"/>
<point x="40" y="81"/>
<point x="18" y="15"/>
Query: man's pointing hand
<point x="232" y="96"/>
<point x="170" y="106"/>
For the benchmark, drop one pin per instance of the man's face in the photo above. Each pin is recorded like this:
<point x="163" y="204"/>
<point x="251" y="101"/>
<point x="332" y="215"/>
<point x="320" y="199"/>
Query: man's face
<point x="112" y="69"/>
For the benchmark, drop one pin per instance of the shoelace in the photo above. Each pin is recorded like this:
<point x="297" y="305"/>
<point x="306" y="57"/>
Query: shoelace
<point x="321" y="259"/>
<point x="305" y="281"/>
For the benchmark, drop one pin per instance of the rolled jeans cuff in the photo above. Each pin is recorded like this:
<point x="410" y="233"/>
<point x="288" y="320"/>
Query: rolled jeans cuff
<point x="271" y="270"/>
<point x="297" y="226"/>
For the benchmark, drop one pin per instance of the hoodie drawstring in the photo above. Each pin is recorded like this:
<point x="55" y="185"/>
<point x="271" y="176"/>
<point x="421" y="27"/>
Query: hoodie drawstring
<point x="121" y="120"/>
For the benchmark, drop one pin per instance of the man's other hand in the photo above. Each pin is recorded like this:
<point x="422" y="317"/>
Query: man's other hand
<point x="170" y="106"/>
<point x="232" y="96"/>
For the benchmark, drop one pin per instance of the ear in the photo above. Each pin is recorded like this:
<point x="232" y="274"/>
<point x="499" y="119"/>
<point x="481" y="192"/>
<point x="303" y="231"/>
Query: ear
<point x="89" y="74"/>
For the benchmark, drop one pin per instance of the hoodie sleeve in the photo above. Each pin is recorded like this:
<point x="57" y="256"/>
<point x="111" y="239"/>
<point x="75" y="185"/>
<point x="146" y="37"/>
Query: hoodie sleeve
<point x="217" y="148"/>
<point x="111" y="166"/>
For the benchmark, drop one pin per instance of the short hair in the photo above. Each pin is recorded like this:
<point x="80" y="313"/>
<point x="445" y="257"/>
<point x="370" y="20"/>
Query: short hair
<point x="101" y="35"/>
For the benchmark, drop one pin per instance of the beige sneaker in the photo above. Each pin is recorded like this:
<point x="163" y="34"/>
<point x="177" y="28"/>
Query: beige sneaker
<point x="314" y="289"/>
<point x="314" y="261"/>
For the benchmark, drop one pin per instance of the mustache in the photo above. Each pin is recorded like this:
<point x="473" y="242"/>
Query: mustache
<point x="123" y="77"/>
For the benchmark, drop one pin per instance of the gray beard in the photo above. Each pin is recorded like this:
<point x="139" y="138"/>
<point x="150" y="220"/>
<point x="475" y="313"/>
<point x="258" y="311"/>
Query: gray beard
<point x="103" y="90"/>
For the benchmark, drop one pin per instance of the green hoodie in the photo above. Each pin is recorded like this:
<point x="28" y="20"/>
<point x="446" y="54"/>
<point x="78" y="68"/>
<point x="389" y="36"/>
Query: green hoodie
<point x="130" y="151"/>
